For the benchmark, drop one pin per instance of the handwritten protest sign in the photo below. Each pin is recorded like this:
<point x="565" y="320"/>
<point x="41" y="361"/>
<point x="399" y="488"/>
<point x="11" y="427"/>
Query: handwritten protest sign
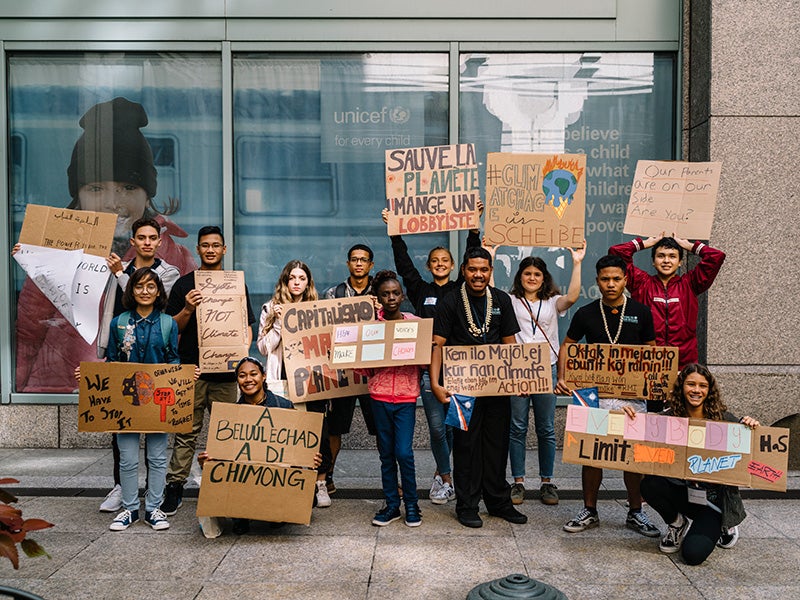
<point x="221" y="319"/>
<point x="433" y="188"/>
<point x="673" y="196"/>
<point x="622" y="371"/>
<point x="497" y="369"/>
<point x="115" y="396"/>
<point x="64" y="253"/>
<point x="383" y="343"/>
<point x="696" y="449"/>
<point x="262" y="463"/>
<point x="307" y="328"/>
<point x="535" y="199"/>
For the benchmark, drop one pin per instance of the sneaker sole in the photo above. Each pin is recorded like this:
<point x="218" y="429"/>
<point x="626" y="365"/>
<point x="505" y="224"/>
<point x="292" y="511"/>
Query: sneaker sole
<point x="115" y="527"/>
<point x="161" y="527"/>
<point x="378" y="523"/>
<point x="323" y="504"/>
<point x="578" y="529"/>
<point x="110" y="508"/>
<point x="517" y="501"/>
<point x="668" y="549"/>
<point x="414" y="523"/>
<point x="549" y="501"/>
<point x="438" y="501"/>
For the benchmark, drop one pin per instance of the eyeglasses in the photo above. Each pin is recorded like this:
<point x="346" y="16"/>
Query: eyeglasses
<point x="359" y="259"/>
<point x="145" y="287"/>
<point x="214" y="246"/>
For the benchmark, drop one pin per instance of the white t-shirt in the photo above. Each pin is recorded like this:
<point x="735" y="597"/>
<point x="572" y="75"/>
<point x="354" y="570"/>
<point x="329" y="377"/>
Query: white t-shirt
<point x="546" y="315"/>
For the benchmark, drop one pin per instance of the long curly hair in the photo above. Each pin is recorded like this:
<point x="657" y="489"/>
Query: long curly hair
<point x="282" y="295"/>
<point x="713" y="407"/>
<point x="548" y="289"/>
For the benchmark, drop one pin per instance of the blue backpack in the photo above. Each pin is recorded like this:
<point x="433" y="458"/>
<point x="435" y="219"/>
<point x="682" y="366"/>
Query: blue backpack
<point x="122" y="323"/>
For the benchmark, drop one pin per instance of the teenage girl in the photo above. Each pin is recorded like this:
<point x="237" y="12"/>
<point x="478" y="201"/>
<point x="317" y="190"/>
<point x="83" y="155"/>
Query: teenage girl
<point x="295" y="284"/>
<point x="699" y="515"/>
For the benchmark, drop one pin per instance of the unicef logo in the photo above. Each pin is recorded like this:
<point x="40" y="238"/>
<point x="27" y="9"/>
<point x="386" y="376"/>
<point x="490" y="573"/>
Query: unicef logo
<point x="399" y="115"/>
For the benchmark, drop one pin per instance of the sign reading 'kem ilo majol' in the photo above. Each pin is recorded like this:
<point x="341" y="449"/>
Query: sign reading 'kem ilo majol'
<point x="383" y="343"/>
<point x="222" y="327"/>
<point x="497" y="369"/>
<point x="135" y="397"/>
<point x="694" y="449"/>
<point x="64" y="253"/>
<point x="535" y="199"/>
<point x="622" y="371"/>
<point x="306" y="334"/>
<point x="673" y="197"/>
<point x="262" y="463"/>
<point x="432" y="188"/>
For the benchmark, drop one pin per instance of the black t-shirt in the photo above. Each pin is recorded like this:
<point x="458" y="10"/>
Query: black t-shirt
<point x="637" y="326"/>
<point x="451" y="319"/>
<point x="189" y="344"/>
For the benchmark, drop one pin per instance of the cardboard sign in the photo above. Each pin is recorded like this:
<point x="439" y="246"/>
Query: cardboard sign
<point x="622" y="371"/>
<point x="262" y="463"/>
<point x="383" y="343"/>
<point x="497" y="369"/>
<point x="535" y="199"/>
<point x="673" y="196"/>
<point x="306" y="333"/>
<point x="433" y="188"/>
<point x="135" y="397"/>
<point x="694" y="449"/>
<point x="221" y="320"/>
<point x="65" y="229"/>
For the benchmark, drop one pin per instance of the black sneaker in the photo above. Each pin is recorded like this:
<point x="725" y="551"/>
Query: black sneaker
<point x="241" y="526"/>
<point x="331" y="487"/>
<point x="173" y="498"/>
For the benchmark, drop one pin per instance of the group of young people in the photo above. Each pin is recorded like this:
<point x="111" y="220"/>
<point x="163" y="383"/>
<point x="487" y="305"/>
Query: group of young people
<point x="152" y="306"/>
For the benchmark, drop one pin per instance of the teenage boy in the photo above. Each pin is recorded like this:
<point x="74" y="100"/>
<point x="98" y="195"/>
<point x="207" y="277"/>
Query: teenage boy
<point x="211" y="387"/>
<point x="672" y="298"/>
<point x="473" y="315"/>
<point x="145" y="240"/>
<point x="340" y="417"/>
<point x="613" y="319"/>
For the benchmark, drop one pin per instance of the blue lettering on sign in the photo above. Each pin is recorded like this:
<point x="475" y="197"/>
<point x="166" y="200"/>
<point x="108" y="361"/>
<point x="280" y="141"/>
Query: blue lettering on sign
<point x="697" y="464"/>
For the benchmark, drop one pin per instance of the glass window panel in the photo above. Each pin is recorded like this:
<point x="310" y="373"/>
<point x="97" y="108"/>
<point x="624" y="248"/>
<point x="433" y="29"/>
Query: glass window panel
<point x="310" y="132"/>
<point x="616" y="108"/>
<point x="180" y="98"/>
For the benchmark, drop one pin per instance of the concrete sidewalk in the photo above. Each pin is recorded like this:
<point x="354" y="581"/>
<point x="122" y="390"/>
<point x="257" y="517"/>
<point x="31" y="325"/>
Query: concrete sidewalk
<point x="342" y="556"/>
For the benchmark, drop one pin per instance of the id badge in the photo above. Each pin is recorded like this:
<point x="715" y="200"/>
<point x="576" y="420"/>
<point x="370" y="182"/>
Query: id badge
<point x="696" y="495"/>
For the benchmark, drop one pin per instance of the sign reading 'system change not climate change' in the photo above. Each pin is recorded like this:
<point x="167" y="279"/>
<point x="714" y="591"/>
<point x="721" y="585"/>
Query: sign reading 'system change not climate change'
<point x="433" y="188"/>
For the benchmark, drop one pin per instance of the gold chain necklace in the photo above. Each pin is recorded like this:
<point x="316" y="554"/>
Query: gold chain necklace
<point x="473" y="328"/>
<point x="621" y="319"/>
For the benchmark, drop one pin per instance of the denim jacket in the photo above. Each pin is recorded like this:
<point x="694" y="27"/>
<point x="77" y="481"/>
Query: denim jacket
<point x="141" y="340"/>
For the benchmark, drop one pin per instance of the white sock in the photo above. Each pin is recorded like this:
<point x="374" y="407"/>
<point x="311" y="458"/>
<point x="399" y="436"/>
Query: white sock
<point x="678" y="522"/>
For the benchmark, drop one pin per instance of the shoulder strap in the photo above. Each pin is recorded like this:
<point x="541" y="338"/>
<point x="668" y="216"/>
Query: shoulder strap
<point x="341" y="290"/>
<point x="544" y="333"/>
<point x="166" y="327"/>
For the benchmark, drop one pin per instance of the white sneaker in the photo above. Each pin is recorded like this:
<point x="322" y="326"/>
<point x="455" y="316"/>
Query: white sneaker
<point x="323" y="499"/>
<point x="113" y="501"/>
<point x="444" y="494"/>
<point x="211" y="527"/>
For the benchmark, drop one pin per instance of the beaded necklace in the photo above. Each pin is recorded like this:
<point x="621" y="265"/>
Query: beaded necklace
<point x="473" y="328"/>
<point x="621" y="319"/>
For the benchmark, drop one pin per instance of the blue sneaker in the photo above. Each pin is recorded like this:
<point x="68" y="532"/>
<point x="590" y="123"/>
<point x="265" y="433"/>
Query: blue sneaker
<point x="124" y="520"/>
<point x="413" y="515"/>
<point x="156" y="519"/>
<point x="385" y="516"/>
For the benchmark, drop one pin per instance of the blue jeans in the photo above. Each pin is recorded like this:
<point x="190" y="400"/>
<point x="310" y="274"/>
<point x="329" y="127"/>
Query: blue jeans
<point x="441" y="434"/>
<point x="129" y="469"/>
<point x="394" y="425"/>
<point x="544" y="414"/>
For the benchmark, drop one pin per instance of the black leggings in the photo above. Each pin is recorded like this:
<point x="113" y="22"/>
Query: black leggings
<point x="669" y="499"/>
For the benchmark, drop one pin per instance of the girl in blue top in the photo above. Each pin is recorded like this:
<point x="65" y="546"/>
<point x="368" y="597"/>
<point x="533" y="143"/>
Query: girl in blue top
<point x="143" y="334"/>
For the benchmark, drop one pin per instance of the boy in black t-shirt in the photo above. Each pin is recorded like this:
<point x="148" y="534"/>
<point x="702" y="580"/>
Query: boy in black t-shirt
<point x="613" y="319"/>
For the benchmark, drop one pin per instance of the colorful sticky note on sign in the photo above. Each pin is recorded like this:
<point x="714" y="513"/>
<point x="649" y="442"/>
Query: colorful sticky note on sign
<point x="635" y="427"/>
<point x="404" y="350"/>
<point x="373" y="332"/>
<point x="372" y="351"/>
<point x="343" y="354"/>
<point x="677" y="430"/>
<point x="739" y="438"/>
<point x="616" y="424"/>
<point x="576" y="418"/>
<point x="655" y="428"/>
<point x="696" y="437"/>
<point x="716" y="435"/>
<point x="345" y="334"/>
<point x="405" y="330"/>
<point x="597" y="423"/>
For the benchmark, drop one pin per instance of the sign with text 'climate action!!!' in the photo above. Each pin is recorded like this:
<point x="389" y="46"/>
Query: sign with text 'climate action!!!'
<point x="535" y="199"/>
<point x="433" y="188"/>
<point x="135" y="397"/>
<point x="261" y="463"/>
<point x="497" y="369"/>
<point x="622" y="371"/>
<point x="306" y="332"/>
<point x="694" y="449"/>
<point x="673" y="197"/>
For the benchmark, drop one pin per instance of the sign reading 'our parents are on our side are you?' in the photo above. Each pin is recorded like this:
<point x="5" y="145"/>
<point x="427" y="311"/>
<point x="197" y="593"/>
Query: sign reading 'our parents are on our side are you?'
<point x="497" y="369"/>
<point x="222" y="327"/>
<point x="383" y="343"/>
<point x="432" y="188"/>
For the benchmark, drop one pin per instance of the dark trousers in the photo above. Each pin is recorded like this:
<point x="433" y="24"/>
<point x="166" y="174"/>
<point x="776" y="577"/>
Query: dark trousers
<point x="394" y="424"/>
<point x="321" y="406"/>
<point x="669" y="499"/>
<point x="480" y="455"/>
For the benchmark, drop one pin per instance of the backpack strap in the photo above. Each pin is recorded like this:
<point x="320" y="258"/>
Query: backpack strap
<point x="341" y="290"/>
<point x="166" y="328"/>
